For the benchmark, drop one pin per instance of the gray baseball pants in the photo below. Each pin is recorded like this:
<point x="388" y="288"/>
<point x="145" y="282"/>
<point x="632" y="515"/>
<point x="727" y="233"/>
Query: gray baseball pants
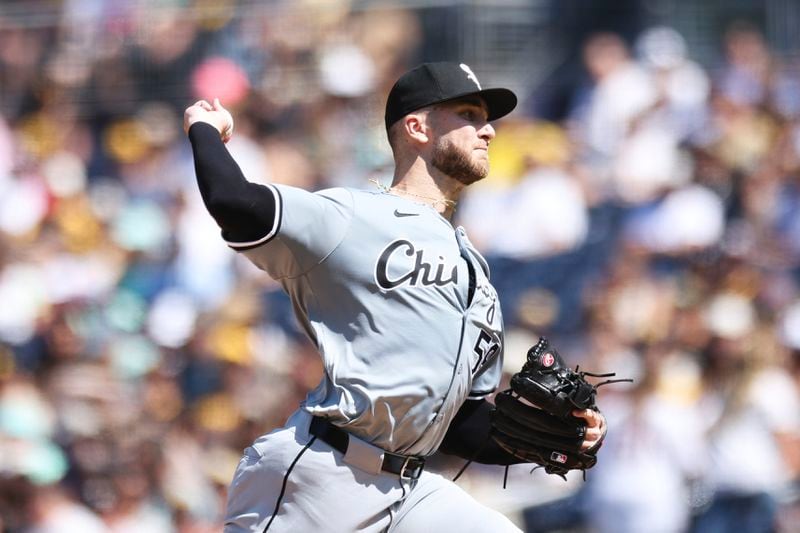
<point x="290" y="481"/>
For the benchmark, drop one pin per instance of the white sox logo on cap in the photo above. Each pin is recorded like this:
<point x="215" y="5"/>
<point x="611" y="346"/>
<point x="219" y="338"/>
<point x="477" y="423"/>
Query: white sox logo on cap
<point x="471" y="75"/>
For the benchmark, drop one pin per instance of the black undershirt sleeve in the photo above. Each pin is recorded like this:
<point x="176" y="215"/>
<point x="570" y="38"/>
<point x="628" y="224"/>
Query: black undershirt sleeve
<point x="245" y="211"/>
<point x="468" y="435"/>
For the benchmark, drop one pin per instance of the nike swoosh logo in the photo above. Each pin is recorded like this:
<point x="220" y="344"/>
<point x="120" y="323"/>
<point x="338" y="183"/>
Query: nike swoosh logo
<point x="400" y="215"/>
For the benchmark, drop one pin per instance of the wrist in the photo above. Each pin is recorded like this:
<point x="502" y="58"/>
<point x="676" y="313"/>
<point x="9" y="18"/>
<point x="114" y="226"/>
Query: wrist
<point x="207" y="122"/>
<point x="204" y="130"/>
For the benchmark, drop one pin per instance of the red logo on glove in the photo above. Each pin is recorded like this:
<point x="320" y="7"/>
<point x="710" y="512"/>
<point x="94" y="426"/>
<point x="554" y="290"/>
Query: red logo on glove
<point x="548" y="359"/>
<point x="558" y="457"/>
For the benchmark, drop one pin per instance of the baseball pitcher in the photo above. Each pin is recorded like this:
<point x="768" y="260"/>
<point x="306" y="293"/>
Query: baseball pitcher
<point x="409" y="328"/>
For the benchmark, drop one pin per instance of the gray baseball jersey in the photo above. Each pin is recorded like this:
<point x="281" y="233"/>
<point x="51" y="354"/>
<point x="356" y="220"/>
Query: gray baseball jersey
<point x="398" y="303"/>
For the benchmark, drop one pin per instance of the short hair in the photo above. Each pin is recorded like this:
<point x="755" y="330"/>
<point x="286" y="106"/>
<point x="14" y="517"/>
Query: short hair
<point x="393" y="134"/>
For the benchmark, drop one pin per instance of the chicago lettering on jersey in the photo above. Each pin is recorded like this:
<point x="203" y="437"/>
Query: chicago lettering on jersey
<point x="418" y="271"/>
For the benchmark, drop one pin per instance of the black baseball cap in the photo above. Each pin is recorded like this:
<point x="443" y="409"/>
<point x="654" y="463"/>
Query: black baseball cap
<point x="432" y="83"/>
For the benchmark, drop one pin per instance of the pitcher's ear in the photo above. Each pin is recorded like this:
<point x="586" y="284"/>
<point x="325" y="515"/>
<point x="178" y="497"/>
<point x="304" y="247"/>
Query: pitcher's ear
<point x="416" y="127"/>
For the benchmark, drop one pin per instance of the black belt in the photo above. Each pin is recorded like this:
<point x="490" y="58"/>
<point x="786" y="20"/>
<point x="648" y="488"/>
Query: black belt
<point x="406" y="466"/>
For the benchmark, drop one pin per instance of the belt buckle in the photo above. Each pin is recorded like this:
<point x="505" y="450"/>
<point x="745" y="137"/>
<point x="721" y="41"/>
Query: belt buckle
<point x="404" y="467"/>
<point x="404" y="470"/>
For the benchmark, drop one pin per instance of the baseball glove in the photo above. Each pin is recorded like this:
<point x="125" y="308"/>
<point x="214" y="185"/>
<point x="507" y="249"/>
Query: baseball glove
<point x="533" y="419"/>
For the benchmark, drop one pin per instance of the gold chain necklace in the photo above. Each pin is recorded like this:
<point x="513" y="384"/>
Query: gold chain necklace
<point x="447" y="204"/>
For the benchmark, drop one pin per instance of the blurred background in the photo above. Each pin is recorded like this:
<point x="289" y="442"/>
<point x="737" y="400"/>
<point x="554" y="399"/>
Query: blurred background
<point x="643" y="211"/>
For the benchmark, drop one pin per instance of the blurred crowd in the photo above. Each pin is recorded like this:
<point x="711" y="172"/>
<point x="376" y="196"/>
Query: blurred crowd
<point x="653" y="232"/>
